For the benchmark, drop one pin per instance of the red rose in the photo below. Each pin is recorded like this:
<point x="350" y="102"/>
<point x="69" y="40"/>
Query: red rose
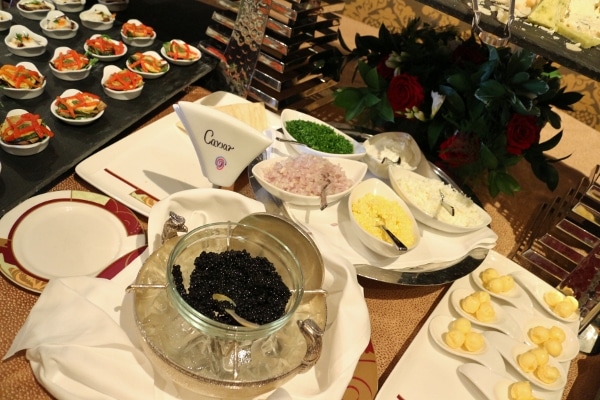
<point x="459" y="149"/>
<point x="405" y="92"/>
<point x="521" y="132"/>
<point x="383" y="70"/>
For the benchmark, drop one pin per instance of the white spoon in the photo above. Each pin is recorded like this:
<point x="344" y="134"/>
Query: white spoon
<point x="502" y="321"/>
<point x="516" y="296"/>
<point x="487" y="356"/>
<point x="495" y="386"/>
<point x="537" y="288"/>
<point x="527" y="321"/>
<point x="511" y="349"/>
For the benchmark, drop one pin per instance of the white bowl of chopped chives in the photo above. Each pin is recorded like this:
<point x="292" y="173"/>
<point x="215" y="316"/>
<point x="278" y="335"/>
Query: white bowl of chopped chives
<point x="373" y="204"/>
<point x="317" y="137"/>
<point x="424" y="197"/>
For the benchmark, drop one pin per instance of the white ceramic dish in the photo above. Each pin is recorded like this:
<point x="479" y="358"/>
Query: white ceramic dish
<point x="118" y="94"/>
<point x="54" y="221"/>
<point x="194" y="51"/>
<point x="71" y="121"/>
<point x="97" y="18"/>
<point x="379" y="188"/>
<point x="537" y="289"/>
<point x="25" y="149"/>
<point x="60" y="33"/>
<point x="435" y="215"/>
<point x="111" y="57"/>
<point x="388" y="148"/>
<point x="502" y="321"/>
<point x="487" y="356"/>
<point x="25" y="94"/>
<point x="5" y="20"/>
<point x="75" y="75"/>
<point x="354" y="170"/>
<point x="516" y="297"/>
<point x="34" y="14"/>
<point x="290" y="115"/>
<point x="495" y="386"/>
<point x="138" y="41"/>
<point x="527" y="321"/>
<point x="69" y="5"/>
<point x="35" y="46"/>
<point x="115" y="5"/>
<point x="150" y="75"/>
<point x="511" y="349"/>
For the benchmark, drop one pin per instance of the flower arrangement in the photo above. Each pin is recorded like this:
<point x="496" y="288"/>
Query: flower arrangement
<point x="474" y="109"/>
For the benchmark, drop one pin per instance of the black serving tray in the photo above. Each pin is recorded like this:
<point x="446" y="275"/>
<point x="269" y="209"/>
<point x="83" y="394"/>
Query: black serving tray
<point x="23" y="177"/>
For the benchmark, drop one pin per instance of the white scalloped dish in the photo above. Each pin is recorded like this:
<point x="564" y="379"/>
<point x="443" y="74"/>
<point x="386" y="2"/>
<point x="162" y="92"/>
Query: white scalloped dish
<point x="23" y="42"/>
<point x="149" y="64"/>
<point x="422" y="194"/>
<point x="117" y="49"/>
<point x="178" y="52"/>
<point x="29" y="148"/>
<point x="57" y="25"/>
<point x="354" y="170"/>
<point x="25" y="93"/>
<point x="70" y="96"/>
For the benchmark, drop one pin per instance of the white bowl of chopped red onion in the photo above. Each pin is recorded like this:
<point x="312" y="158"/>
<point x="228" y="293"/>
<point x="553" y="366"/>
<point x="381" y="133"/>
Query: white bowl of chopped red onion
<point x="320" y="137"/>
<point x="373" y="204"/>
<point x="300" y="179"/>
<point x="424" y="197"/>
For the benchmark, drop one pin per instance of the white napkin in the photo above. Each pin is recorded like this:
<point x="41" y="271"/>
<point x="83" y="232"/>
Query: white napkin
<point x="333" y="231"/>
<point x="80" y="335"/>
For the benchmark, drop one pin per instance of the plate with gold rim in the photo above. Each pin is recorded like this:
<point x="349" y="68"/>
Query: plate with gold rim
<point x="67" y="233"/>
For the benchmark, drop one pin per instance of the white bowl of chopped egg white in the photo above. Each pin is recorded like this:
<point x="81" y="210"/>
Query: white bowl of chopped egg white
<point x="300" y="179"/>
<point x="372" y="204"/>
<point x="384" y="149"/>
<point x="422" y="194"/>
<point x="320" y="134"/>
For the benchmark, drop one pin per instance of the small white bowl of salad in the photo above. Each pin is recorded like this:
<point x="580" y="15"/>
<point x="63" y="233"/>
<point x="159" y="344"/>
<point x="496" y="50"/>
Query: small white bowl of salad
<point x="68" y="64"/>
<point x="97" y="18"/>
<point x="137" y="34"/>
<point x="23" y="133"/>
<point x="34" y="9"/>
<point x="70" y="5"/>
<point x="104" y="48"/>
<point x="22" y="81"/>
<point x="5" y="20"/>
<point x="75" y="107"/>
<point x="57" y="25"/>
<point x="121" y="84"/>
<point x="23" y="42"/>
<point x="149" y="64"/>
<point x="178" y="52"/>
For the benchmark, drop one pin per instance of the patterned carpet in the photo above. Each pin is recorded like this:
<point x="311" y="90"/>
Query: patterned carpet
<point x="395" y="14"/>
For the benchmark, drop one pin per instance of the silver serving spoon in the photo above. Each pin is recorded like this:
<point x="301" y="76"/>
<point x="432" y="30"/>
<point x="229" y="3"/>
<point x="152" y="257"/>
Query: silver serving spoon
<point x="289" y="141"/>
<point x="446" y="206"/>
<point x="399" y="245"/>
<point x="324" y="195"/>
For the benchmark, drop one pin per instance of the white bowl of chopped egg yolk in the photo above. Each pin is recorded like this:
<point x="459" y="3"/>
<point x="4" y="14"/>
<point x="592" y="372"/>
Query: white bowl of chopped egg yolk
<point x="372" y="204"/>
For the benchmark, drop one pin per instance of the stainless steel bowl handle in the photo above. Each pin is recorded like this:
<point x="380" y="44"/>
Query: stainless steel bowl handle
<point x="314" y="343"/>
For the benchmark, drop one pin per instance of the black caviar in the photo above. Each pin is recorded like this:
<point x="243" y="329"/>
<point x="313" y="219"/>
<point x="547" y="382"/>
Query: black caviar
<point x="252" y="283"/>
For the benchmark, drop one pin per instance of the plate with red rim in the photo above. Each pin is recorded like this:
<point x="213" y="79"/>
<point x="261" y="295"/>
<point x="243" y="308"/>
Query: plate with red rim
<point x="67" y="233"/>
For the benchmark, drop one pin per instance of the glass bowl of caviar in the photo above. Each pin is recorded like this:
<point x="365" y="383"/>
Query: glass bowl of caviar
<point x="187" y="328"/>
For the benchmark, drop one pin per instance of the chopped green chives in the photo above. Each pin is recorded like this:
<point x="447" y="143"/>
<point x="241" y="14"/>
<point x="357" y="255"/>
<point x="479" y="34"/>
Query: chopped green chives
<point x="319" y="137"/>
